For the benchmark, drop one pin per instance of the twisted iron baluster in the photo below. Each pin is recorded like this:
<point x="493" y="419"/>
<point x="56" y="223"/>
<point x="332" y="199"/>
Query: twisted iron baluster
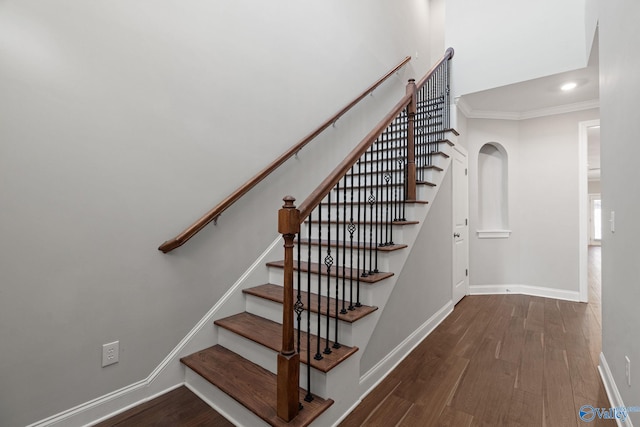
<point x="371" y="200"/>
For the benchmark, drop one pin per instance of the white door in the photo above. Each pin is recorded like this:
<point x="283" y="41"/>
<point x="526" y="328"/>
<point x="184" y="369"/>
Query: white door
<point x="460" y="224"/>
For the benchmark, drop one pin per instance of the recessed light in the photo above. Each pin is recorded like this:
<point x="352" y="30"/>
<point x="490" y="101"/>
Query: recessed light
<point x="569" y="86"/>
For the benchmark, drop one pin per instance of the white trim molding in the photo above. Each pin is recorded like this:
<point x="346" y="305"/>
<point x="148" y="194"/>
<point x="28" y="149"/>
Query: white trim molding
<point x="536" y="291"/>
<point x="379" y="372"/>
<point x="610" y="387"/>
<point x="471" y="113"/>
<point x="493" y="234"/>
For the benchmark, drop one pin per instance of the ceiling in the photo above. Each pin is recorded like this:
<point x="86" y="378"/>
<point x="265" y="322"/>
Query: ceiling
<point x="537" y="97"/>
<point x="543" y="97"/>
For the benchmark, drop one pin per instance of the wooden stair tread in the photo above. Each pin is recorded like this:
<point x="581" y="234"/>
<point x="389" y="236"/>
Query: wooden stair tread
<point x="269" y="334"/>
<point x="250" y="385"/>
<point x="348" y="245"/>
<point x="275" y="293"/>
<point x="434" y="167"/>
<point x="304" y="266"/>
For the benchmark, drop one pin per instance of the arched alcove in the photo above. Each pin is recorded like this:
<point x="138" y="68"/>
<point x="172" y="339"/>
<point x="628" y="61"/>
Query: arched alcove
<point x="493" y="201"/>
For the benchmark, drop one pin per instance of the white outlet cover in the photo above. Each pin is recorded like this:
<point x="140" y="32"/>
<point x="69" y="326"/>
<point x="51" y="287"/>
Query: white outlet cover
<point x="110" y="353"/>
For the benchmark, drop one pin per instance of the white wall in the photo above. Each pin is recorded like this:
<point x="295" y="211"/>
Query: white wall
<point x="424" y="285"/>
<point x="122" y="122"/>
<point x="499" y="42"/>
<point x="620" y="127"/>
<point x="542" y="250"/>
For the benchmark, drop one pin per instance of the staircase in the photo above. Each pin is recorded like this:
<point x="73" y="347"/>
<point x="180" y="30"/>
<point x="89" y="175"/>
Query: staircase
<point x="295" y="346"/>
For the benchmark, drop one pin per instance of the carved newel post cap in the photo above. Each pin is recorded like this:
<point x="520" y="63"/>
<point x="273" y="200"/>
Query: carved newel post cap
<point x="288" y="202"/>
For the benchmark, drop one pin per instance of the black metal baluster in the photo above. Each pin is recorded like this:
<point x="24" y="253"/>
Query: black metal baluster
<point x="344" y="222"/>
<point x="371" y="200"/>
<point x="318" y="355"/>
<point x="309" y="396"/>
<point x="377" y="226"/>
<point x="328" y="262"/>
<point x="352" y="229"/>
<point x="344" y="246"/>
<point x="360" y="225"/>
<point x="365" y="272"/>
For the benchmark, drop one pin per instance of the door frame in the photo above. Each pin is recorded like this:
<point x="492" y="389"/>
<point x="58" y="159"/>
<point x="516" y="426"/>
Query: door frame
<point x="460" y="153"/>
<point x="583" y="208"/>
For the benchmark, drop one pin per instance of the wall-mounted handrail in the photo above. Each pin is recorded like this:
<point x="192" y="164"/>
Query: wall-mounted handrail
<point x="214" y="213"/>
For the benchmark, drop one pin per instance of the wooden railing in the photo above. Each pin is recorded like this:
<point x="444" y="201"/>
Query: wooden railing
<point x="403" y="141"/>
<point x="214" y="213"/>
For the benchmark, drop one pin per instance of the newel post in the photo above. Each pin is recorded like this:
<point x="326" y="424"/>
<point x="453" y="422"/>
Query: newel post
<point x="411" y="153"/>
<point x="288" y="359"/>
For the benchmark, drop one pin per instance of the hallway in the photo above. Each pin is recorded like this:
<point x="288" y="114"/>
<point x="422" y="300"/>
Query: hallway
<point x="499" y="360"/>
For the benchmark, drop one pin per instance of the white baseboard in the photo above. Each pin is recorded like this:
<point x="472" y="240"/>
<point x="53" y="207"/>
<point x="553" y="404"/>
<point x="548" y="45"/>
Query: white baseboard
<point x="536" y="291"/>
<point x="612" y="390"/>
<point x="375" y="375"/>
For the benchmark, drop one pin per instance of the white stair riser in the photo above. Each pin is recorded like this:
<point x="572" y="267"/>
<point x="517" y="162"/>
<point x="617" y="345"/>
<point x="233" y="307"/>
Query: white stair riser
<point x="366" y="236"/>
<point x="268" y="359"/>
<point x="273" y="311"/>
<point x="276" y="275"/>
<point x="381" y="212"/>
<point x="346" y="259"/>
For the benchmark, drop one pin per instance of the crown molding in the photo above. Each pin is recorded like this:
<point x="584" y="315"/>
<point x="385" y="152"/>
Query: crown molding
<point x="470" y="113"/>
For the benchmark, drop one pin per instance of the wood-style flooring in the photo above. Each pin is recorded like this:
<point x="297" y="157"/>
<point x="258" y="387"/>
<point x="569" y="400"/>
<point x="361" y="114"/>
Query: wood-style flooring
<point x="499" y="360"/>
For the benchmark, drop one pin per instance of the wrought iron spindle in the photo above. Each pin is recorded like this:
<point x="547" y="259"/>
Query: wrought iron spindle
<point x="344" y="247"/>
<point x="352" y="229"/>
<point x="318" y="355"/>
<point x="328" y="262"/>
<point x="309" y="396"/>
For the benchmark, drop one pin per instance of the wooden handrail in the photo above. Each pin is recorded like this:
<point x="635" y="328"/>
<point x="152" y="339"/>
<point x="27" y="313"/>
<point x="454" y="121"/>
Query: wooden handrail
<point x="448" y="54"/>
<point x="325" y="187"/>
<point x="336" y="175"/>
<point x="214" y="213"/>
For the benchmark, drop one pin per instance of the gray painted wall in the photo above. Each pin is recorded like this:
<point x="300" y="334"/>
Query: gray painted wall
<point x="543" y="179"/>
<point x="424" y="285"/>
<point x="620" y="127"/>
<point x="121" y="123"/>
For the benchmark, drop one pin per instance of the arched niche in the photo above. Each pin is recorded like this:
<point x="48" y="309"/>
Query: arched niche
<point x="493" y="195"/>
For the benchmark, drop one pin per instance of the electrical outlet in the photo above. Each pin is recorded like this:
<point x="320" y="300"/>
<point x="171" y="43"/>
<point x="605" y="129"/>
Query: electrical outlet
<point x="627" y="370"/>
<point x="110" y="353"/>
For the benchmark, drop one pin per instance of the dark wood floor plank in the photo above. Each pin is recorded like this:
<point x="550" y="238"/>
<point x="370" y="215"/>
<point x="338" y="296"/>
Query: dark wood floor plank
<point x="525" y="409"/>
<point x="179" y="407"/>
<point x="537" y="370"/>
<point x="558" y="390"/>
<point x="531" y="364"/>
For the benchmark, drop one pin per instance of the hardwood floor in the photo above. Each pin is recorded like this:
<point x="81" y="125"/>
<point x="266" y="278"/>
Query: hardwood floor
<point x="179" y="407"/>
<point x="499" y="360"/>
